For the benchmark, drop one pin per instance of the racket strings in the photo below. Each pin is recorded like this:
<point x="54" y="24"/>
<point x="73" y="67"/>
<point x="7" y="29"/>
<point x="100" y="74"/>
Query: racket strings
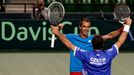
<point x="121" y="12"/>
<point x="56" y="14"/>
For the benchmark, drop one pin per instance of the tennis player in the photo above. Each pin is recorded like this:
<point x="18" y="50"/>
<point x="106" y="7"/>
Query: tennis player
<point x="98" y="61"/>
<point x="83" y="41"/>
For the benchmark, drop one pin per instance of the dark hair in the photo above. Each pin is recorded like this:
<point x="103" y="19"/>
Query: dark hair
<point x="84" y="19"/>
<point x="97" y="42"/>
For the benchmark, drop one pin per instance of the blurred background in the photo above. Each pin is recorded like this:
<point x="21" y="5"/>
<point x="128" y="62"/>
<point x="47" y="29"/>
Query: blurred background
<point x="25" y="39"/>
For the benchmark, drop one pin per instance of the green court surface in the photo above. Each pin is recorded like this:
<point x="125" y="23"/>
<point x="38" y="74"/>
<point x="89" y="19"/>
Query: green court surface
<point x="54" y="64"/>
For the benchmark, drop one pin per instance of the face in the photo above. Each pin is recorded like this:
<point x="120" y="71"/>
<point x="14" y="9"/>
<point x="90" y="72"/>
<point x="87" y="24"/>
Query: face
<point x="41" y="3"/>
<point x="84" y="29"/>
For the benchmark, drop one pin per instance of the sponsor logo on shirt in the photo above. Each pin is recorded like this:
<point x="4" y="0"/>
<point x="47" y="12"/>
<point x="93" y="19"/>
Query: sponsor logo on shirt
<point x="84" y="72"/>
<point x="89" y="41"/>
<point x="97" y="61"/>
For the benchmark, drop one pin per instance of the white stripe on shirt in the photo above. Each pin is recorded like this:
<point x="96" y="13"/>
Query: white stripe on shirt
<point x="75" y="50"/>
<point x="116" y="49"/>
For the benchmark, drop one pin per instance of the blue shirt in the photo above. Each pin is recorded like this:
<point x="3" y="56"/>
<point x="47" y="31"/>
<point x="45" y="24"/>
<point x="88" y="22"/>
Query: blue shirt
<point x="96" y="62"/>
<point x="84" y="43"/>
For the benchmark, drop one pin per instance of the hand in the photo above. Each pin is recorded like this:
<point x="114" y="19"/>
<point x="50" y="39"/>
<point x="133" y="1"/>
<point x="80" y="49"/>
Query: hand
<point x="128" y="21"/>
<point x="55" y="29"/>
<point x="61" y="26"/>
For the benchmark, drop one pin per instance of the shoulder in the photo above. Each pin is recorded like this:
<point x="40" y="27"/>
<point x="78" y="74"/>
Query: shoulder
<point x="80" y="50"/>
<point x="71" y="35"/>
<point x="113" y="51"/>
<point x="114" y="48"/>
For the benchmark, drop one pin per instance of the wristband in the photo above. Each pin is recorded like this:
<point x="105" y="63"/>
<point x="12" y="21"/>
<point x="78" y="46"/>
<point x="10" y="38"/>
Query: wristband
<point x="126" y="28"/>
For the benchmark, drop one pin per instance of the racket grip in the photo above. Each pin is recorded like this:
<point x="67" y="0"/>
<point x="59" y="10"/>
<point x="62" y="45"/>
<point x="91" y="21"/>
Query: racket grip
<point x="52" y="40"/>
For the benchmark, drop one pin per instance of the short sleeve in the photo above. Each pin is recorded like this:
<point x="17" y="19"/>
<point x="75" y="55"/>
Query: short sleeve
<point x="69" y="36"/>
<point x="113" y="51"/>
<point x="80" y="53"/>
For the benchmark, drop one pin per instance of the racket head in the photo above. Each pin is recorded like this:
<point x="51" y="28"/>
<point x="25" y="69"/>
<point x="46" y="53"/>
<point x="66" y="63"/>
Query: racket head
<point x="121" y="11"/>
<point x="56" y="12"/>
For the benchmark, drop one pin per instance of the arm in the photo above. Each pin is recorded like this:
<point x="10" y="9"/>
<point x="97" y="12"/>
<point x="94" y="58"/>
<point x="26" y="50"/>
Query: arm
<point x="62" y="37"/>
<point x="123" y="35"/>
<point x="112" y="34"/>
<point x="121" y="39"/>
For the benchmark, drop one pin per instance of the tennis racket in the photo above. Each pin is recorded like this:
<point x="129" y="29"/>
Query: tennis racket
<point x="122" y="11"/>
<point x="55" y="15"/>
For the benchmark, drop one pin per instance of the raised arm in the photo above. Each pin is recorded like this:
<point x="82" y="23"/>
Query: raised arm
<point x="62" y="37"/>
<point x="112" y="34"/>
<point x="123" y="35"/>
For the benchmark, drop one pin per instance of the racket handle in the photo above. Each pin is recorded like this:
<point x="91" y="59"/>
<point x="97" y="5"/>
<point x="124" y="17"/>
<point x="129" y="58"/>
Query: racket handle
<point x="52" y="41"/>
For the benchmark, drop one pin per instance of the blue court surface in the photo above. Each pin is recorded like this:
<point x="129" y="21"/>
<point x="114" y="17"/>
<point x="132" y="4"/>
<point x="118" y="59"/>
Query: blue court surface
<point x="54" y="64"/>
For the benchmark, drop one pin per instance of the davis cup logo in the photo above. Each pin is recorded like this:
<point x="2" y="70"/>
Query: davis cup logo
<point x="84" y="72"/>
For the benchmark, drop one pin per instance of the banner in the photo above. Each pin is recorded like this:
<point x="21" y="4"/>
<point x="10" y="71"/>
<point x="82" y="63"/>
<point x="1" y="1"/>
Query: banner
<point x="30" y="35"/>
